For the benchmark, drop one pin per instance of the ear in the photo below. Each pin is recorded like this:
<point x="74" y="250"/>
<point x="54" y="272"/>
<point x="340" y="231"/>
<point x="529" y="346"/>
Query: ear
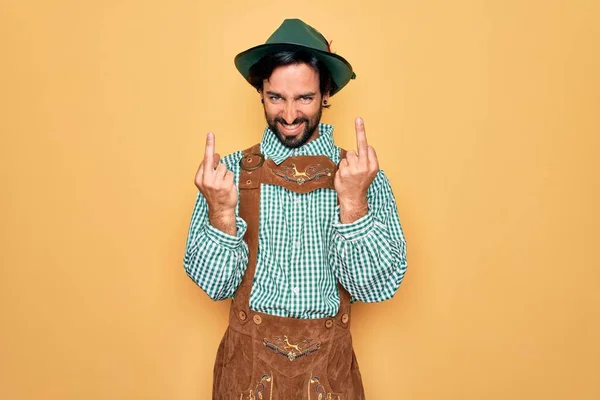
<point x="325" y="99"/>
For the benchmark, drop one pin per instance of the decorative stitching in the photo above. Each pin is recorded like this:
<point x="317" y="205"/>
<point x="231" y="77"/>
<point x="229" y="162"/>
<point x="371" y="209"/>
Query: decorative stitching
<point x="282" y="346"/>
<point x="312" y="172"/>
<point x="257" y="392"/>
<point x="320" y="390"/>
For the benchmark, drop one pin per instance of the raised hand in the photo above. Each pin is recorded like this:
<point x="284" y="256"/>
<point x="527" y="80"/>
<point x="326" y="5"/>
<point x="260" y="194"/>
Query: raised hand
<point x="215" y="182"/>
<point x="355" y="174"/>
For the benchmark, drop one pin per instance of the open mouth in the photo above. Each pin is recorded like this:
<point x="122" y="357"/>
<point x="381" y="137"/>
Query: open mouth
<point x="292" y="129"/>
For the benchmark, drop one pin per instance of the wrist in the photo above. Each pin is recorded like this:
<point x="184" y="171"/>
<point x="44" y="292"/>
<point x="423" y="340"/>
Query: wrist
<point x="354" y="202"/>
<point x="223" y="220"/>
<point x="352" y="210"/>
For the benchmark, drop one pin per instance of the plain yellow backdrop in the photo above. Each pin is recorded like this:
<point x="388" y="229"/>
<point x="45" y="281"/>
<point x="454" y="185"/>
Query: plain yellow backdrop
<point x="485" y="116"/>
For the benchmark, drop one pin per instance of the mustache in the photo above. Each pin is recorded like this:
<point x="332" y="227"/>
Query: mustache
<point x="296" y="121"/>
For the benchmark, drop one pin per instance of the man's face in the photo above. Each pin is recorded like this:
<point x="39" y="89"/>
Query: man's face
<point x="293" y="103"/>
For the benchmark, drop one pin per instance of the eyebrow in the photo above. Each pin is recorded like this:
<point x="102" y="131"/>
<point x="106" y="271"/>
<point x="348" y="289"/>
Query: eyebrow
<point x="308" y="94"/>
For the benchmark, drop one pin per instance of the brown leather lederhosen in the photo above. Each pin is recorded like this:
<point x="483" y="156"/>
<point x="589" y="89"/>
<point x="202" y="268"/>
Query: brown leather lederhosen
<point x="267" y="357"/>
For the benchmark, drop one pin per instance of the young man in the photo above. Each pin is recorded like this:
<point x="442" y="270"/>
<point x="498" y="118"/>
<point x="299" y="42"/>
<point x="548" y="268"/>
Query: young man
<point x="292" y="229"/>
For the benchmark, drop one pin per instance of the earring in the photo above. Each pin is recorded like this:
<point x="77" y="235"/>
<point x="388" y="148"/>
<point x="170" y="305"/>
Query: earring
<point x="262" y="101"/>
<point x="324" y="102"/>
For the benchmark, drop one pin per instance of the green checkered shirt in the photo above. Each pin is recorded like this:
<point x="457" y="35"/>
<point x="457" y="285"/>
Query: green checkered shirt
<point x="303" y="248"/>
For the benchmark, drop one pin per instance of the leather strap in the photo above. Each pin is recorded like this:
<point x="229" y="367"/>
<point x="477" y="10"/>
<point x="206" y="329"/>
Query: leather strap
<point x="300" y="174"/>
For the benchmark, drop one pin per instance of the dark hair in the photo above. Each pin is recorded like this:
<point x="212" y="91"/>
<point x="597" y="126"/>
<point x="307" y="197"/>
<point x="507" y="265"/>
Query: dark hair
<point x="266" y="65"/>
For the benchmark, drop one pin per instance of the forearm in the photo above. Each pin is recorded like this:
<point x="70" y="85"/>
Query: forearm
<point x="351" y="210"/>
<point x="369" y="263"/>
<point x="368" y="252"/>
<point x="224" y="221"/>
<point x="216" y="271"/>
<point x="214" y="259"/>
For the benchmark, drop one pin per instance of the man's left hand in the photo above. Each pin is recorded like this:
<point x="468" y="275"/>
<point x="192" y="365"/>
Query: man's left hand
<point x="355" y="174"/>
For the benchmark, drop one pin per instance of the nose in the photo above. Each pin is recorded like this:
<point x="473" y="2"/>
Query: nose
<point x="289" y="113"/>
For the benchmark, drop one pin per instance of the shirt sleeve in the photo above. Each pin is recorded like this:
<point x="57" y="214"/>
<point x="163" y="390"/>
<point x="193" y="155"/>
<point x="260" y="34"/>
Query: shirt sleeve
<point x="368" y="256"/>
<point x="215" y="260"/>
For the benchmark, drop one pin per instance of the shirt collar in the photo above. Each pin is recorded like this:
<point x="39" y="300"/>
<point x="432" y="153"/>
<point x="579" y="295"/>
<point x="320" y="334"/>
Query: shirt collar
<point x="323" y="145"/>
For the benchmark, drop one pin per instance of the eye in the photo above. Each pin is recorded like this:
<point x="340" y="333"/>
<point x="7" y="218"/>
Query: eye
<point x="306" y="99"/>
<point x="274" y="97"/>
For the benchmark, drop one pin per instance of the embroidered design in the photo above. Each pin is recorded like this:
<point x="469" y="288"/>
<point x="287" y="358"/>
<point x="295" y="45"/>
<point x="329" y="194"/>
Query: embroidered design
<point x="282" y="345"/>
<point x="259" y="391"/>
<point x="319" y="390"/>
<point x="309" y="174"/>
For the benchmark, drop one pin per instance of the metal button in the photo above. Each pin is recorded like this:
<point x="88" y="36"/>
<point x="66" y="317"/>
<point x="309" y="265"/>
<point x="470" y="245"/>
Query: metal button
<point x="345" y="318"/>
<point x="328" y="324"/>
<point x="242" y="315"/>
<point x="257" y="319"/>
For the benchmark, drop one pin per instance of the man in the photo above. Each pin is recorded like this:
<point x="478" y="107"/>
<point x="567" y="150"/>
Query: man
<point x="292" y="229"/>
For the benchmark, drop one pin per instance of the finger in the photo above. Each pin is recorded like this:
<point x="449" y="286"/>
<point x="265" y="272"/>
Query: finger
<point x="217" y="158"/>
<point x="228" y="178"/>
<point x="373" y="161"/>
<point x="361" y="137"/>
<point x="220" y="171"/>
<point x="199" y="176"/>
<point x="351" y="157"/>
<point x="343" y="164"/>
<point x="209" y="151"/>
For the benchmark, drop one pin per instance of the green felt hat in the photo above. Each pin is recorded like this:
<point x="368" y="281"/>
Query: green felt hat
<point x="294" y="34"/>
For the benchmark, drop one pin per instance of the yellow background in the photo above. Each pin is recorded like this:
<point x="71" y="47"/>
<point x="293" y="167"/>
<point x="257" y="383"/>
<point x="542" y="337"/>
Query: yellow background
<point x="485" y="116"/>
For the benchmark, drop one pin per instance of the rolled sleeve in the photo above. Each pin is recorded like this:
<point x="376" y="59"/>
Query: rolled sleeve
<point x="356" y="230"/>
<point x="215" y="260"/>
<point x="226" y="240"/>
<point x="368" y="256"/>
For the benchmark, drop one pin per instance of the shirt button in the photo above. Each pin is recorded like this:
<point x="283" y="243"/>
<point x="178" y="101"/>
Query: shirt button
<point x="328" y="324"/>
<point x="297" y="245"/>
<point x="296" y="290"/>
<point x="298" y="201"/>
<point x="257" y="319"/>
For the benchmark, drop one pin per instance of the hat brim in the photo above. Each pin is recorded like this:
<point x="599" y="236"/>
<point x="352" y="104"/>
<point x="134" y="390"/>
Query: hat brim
<point x="340" y="69"/>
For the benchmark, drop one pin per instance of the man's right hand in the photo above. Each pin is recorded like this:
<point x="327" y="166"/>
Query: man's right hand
<point x="215" y="182"/>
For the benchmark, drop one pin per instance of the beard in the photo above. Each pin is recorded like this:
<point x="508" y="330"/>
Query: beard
<point x="293" y="142"/>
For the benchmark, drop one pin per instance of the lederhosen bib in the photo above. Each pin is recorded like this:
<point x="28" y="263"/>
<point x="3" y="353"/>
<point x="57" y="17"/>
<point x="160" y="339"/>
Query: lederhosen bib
<point x="267" y="357"/>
